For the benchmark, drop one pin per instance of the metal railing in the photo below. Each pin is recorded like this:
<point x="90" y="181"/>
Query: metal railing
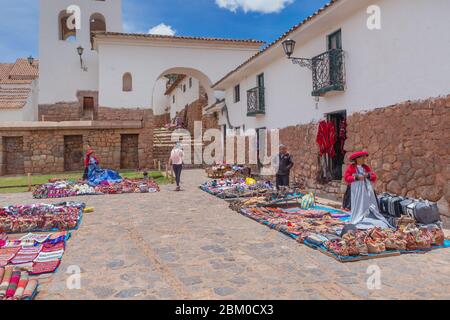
<point x="256" y="101"/>
<point x="328" y="72"/>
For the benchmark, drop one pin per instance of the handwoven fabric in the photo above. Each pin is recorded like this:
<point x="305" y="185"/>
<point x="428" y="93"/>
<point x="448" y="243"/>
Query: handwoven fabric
<point x="6" y="254"/>
<point x="49" y="256"/>
<point x="30" y="289"/>
<point x="15" y="277"/>
<point x="45" y="267"/>
<point x="24" y="278"/>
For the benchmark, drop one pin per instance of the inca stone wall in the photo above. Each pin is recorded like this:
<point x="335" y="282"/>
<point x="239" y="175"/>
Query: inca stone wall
<point x="408" y="145"/>
<point x="44" y="149"/>
<point x="161" y="120"/>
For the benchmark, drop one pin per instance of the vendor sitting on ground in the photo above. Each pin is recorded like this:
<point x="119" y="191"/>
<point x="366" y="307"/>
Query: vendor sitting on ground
<point x="96" y="175"/>
<point x="360" y="196"/>
<point x="285" y="164"/>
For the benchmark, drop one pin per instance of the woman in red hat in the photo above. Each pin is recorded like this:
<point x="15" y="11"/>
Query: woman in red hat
<point x="360" y="196"/>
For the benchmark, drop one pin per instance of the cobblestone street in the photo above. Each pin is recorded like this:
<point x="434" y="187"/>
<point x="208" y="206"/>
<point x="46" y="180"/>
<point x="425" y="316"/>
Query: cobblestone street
<point x="190" y="245"/>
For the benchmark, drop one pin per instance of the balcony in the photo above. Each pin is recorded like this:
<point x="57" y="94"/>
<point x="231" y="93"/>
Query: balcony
<point x="328" y="72"/>
<point x="255" y="102"/>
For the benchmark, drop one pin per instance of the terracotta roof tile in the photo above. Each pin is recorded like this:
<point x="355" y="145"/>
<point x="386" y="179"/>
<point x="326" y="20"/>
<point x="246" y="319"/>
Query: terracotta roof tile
<point x="280" y="39"/>
<point x="15" y="75"/>
<point x="157" y="36"/>
<point x="20" y="72"/>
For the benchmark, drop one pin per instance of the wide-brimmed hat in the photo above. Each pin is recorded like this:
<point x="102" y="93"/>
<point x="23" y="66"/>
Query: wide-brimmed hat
<point x="359" y="155"/>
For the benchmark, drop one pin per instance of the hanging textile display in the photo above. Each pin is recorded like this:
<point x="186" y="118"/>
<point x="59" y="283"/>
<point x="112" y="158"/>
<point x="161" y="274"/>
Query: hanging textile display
<point x="326" y="139"/>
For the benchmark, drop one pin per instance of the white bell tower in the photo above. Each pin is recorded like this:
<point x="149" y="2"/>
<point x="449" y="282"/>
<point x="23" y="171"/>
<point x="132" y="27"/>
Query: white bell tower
<point x="65" y="28"/>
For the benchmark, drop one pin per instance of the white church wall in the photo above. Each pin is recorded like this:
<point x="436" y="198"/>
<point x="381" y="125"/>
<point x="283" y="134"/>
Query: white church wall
<point x="60" y="72"/>
<point x="147" y="62"/>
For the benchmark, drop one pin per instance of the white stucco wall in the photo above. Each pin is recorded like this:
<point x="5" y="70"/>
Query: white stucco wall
<point x="182" y="99"/>
<point x="59" y="70"/>
<point x="148" y="61"/>
<point x="160" y="101"/>
<point x="29" y="112"/>
<point x="407" y="59"/>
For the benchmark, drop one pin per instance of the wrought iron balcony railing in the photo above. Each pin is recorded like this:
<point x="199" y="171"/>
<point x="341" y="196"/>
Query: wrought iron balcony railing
<point x="328" y="72"/>
<point x="255" y="102"/>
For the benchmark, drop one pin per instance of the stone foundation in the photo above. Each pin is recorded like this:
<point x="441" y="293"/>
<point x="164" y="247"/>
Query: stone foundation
<point x="408" y="145"/>
<point x="46" y="146"/>
<point x="161" y="120"/>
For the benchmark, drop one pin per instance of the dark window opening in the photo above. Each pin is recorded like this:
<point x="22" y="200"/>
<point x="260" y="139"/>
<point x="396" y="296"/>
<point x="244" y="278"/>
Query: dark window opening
<point x="237" y="94"/>
<point x="88" y="108"/>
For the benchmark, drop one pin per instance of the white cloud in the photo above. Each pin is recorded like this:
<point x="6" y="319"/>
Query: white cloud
<point x="263" y="6"/>
<point x="162" y="29"/>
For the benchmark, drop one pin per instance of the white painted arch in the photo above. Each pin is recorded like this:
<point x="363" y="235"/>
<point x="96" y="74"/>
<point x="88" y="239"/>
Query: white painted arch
<point x="149" y="58"/>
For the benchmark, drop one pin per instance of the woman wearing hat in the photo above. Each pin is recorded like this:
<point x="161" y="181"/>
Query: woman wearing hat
<point x="360" y="196"/>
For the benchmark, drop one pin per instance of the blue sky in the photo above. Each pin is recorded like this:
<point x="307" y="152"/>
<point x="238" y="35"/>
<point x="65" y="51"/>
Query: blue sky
<point x="257" y="19"/>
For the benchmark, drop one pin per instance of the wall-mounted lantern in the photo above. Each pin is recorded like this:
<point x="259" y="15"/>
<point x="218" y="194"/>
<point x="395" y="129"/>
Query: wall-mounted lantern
<point x="80" y="51"/>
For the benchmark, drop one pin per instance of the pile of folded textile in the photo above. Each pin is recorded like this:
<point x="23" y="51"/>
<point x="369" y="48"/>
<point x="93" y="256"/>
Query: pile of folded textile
<point x="41" y="217"/>
<point x="34" y="253"/>
<point x="128" y="186"/>
<point x="15" y="284"/>
<point x="63" y="189"/>
<point x="236" y="188"/>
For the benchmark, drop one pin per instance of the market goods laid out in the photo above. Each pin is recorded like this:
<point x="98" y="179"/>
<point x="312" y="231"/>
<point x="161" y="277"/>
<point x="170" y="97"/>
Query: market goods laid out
<point x="41" y="217"/>
<point x="63" y="189"/>
<point x="22" y="259"/>
<point x="237" y="188"/>
<point x="35" y="253"/>
<point x="328" y="230"/>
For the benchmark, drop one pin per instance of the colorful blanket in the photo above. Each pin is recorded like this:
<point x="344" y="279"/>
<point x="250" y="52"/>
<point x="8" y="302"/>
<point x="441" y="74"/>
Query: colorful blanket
<point x="64" y="189"/>
<point x="41" y="217"/>
<point x="35" y="256"/>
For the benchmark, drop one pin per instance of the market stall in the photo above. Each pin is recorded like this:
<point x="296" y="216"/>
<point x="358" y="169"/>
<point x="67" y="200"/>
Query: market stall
<point x="41" y="217"/>
<point x="328" y="230"/>
<point x="63" y="189"/>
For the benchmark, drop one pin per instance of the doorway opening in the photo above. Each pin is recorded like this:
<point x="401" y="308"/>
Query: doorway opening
<point x="129" y="152"/>
<point x="73" y="153"/>
<point x="88" y="108"/>
<point x="339" y="120"/>
<point x="13" y="155"/>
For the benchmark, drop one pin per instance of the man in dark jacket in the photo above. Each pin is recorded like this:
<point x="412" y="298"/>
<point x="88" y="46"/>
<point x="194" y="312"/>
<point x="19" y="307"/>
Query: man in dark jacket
<point x="284" y="167"/>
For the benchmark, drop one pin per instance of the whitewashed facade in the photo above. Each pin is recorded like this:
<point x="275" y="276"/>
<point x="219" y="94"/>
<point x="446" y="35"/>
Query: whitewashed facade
<point x="407" y="59"/>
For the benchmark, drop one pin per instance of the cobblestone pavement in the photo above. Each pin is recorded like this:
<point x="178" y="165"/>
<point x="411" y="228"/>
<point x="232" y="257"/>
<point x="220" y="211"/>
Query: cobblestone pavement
<point x="189" y="245"/>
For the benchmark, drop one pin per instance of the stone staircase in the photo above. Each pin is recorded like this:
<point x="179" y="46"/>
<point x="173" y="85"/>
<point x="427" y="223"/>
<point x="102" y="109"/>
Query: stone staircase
<point x="163" y="143"/>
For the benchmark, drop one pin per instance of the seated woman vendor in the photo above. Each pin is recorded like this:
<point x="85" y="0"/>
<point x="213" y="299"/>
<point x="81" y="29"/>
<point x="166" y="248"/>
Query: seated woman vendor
<point x="360" y="196"/>
<point x="96" y="175"/>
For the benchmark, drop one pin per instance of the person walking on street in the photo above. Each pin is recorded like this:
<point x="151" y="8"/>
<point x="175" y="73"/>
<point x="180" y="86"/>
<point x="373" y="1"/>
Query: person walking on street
<point x="285" y="164"/>
<point x="176" y="160"/>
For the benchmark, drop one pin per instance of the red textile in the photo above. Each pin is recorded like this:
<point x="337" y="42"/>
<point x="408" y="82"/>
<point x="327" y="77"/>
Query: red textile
<point x="326" y="138"/>
<point x="359" y="155"/>
<point x="88" y="158"/>
<point x="352" y="169"/>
